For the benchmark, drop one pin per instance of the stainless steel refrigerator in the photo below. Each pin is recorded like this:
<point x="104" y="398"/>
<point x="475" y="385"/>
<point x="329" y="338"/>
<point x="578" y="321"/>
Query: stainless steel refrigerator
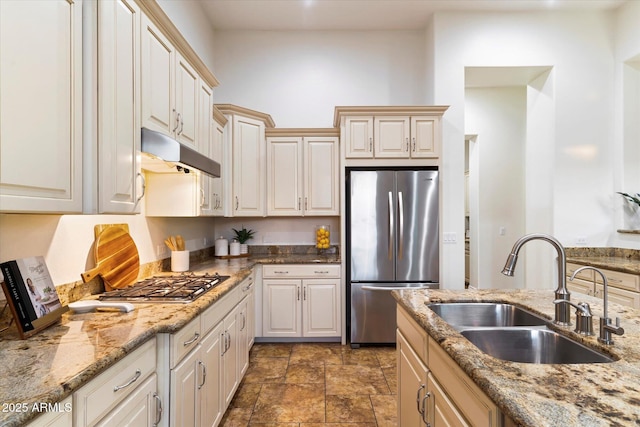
<point x="392" y="243"/>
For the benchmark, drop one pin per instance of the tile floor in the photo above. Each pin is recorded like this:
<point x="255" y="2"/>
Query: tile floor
<point x="316" y="385"/>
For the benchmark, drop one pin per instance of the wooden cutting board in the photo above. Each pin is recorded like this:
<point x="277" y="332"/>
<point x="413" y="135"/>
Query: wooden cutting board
<point x="117" y="259"/>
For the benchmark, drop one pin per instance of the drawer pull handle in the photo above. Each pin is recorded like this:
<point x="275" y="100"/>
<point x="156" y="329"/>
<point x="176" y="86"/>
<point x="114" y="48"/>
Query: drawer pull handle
<point x="321" y="272"/>
<point x="158" y="409"/>
<point x="192" y="340"/>
<point x="424" y="409"/>
<point x="422" y="387"/>
<point x="204" y="374"/>
<point x="281" y="272"/>
<point x="131" y="381"/>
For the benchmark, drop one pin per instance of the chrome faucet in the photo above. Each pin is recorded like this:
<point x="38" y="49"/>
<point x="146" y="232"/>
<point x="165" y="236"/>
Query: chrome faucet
<point x="606" y="328"/>
<point x="563" y="311"/>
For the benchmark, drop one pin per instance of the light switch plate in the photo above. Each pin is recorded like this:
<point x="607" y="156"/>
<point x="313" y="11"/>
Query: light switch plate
<point x="449" y="237"/>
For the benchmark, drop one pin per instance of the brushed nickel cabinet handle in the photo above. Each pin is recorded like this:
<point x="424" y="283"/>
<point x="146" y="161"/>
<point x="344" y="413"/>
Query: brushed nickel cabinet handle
<point x="128" y="383"/>
<point x="192" y="340"/>
<point x="158" y="409"/>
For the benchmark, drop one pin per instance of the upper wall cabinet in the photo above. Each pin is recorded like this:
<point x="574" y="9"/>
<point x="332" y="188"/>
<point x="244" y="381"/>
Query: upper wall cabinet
<point x="41" y="106"/>
<point x="245" y="194"/>
<point x="303" y="172"/>
<point x="216" y="152"/>
<point x="390" y="132"/>
<point x="119" y="106"/>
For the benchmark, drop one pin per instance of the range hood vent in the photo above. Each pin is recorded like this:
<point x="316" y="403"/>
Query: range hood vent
<point x="161" y="147"/>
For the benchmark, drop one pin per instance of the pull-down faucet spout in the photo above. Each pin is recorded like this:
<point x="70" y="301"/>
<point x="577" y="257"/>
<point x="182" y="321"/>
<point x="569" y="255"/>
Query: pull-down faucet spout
<point x="563" y="312"/>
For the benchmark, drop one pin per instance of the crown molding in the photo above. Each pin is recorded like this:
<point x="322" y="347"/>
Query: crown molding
<point x="219" y="117"/>
<point x="235" y="109"/>
<point x="411" y="110"/>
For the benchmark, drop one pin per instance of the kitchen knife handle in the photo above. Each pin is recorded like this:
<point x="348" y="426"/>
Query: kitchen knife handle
<point x="400" y="224"/>
<point x="391" y="225"/>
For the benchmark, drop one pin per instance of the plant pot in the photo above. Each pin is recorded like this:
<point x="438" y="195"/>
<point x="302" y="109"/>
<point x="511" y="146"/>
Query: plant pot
<point x="244" y="248"/>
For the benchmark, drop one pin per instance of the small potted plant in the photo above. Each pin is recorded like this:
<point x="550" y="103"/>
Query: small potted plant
<point x="630" y="198"/>
<point x="242" y="236"/>
<point x="633" y="210"/>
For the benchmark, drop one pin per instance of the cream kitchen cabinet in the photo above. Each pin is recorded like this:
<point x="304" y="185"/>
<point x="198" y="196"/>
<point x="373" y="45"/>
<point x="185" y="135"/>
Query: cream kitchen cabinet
<point x="432" y="389"/>
<point x="390" y="132"/>
<point x="126" y="392"/>
<point x="61" y="418"/>
<point x="169" y="88"/>
<point x="41" y="100"/>
<point x="245" y="194"/>
<point x="118" y="95"/>
<point x="302" y="175"/>
<point x="202" y="365"/>
<point x="174" y="194"/>
<point x="301" y="301"/>
<point x="624" y="288"/>
<point x="205" y="123"/>
<point x="217" y="147"/>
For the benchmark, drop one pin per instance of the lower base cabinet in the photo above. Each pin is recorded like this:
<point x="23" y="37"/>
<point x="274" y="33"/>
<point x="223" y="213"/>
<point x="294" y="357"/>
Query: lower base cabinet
<point x="433" y="390"/>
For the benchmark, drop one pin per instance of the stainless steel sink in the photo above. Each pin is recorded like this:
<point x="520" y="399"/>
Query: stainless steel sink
<point x="485" y="314"/>
<point x="529" y="345"/>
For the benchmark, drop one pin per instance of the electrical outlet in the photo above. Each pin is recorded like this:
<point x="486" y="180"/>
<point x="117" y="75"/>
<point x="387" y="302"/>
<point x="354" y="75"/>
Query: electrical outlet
<point x="581" y="240"/>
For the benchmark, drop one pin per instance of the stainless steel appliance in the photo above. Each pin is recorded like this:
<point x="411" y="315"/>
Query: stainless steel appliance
<point x="183" y="288"/>
<point x="392" y="243"/>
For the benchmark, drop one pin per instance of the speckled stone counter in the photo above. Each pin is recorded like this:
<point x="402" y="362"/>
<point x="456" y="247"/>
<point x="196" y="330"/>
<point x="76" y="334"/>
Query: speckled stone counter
<point x="54" y="363"/>
<point x="536" y="395"/>
<point x="624" y="260"/>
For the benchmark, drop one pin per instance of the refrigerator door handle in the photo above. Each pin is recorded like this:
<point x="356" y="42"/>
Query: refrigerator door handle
<point x="400" y="224"/>
<point x="401" y="288"/>
<point x="391" y="227"/>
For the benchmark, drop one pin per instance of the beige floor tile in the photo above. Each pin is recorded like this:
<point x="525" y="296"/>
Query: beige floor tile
<point x="246" y="395"/>
<point x="276" y="424"/>
<point x="391" y="375"/>
<point x="236" y="417"/>
<point x="286" y="403"/>
<point x="309" y="352"/>
<point x="351" y="408"/>
<point x="385" y="410"/>
<point x="355" y="379"/>
<point x="337" y="424"/>
<point x="359" y="356"/>
<point x="386" y="356"/>
<point x="266" y="370"/>
<point x="271" y="350"/>
<point x="305" y="373"/>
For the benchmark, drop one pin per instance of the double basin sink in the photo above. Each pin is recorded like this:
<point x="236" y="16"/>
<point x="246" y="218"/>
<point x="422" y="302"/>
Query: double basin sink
<point x="508" y="332"/>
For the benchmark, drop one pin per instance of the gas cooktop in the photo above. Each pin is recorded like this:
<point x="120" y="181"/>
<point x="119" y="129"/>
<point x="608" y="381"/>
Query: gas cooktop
<point x="183" y="288"/>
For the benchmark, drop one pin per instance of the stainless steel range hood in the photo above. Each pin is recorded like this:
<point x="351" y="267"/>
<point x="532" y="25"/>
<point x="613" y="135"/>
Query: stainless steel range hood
<point x="161" y="147"/>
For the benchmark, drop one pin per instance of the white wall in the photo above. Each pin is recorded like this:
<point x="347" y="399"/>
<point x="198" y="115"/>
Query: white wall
<point x="300" y="76"/>
<point x="579" y="48"/>
<point x="497" y="172"/>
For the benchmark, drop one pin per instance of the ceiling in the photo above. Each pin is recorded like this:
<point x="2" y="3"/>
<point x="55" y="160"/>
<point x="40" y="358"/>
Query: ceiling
<point x="367" y="14"/>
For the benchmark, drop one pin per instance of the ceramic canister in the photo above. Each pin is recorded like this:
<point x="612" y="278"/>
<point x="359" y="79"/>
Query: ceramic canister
<point x="222" y="247"/>
<point x="235" y="248"/>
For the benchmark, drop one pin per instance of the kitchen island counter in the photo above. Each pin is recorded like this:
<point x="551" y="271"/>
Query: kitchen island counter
<point x="51" y="365"/>
<point x="543" y="395"/>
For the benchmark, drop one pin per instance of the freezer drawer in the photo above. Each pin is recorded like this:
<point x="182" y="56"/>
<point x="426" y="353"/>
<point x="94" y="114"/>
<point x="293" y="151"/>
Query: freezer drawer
<point x="373" y="311"/>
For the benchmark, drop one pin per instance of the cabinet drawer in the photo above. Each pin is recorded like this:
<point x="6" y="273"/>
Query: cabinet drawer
<point x="467" y="396"/>
<point x="112" y="386"/>
<point x="620" y="296"/>
<point x="581" y="286"/>
<point x="413" y="333"/>
<point x="585" y="275"/>
<point x="621" y="280"/>
<point x="183" y="341"/>
<point x="301" y="271"/>
<point x="214" y="314"/>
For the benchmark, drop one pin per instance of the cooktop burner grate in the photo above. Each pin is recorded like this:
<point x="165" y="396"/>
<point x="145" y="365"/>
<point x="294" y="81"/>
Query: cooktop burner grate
<point x="182" y="288"/>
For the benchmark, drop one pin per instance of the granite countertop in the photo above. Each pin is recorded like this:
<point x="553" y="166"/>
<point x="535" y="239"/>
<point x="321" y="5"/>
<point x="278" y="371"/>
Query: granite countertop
<point x="52" y="364"/>
<point x="538" y="395"/>
<point x="624" y="260"/>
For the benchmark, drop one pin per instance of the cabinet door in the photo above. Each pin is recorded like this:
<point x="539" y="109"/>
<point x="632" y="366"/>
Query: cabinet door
<point x="41" y="106"/>
<point x="321" y="176"/>
<point x="119" y="106"/>
<point x="243" y="337"/>
<point x="248" y="167"/>
<point x="284" y="176"/>
<point x="173" y="194"/>
<point x="231" y="378"/>
<point x="581" y="286"/>
<point x="412" y="384"/>
<point x="56" y="419"/>
<point x="210" y="372"/>
<point x="216" y="153"/>
<point x="619" y="296"/>
<point x="440" y="410"/>
<point x="358" y="137"/>
<point x="205" y="114"/>
<point x="187" y="98"/>
<point x="184" y="384"/>
<point x="391" y="138"/>
<point x="423" y="137"/>
<point x="140" y="408"/>
<point x="281" y="308"/>
<point x="320" y="308"/>
<point x="158" y="69"/>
